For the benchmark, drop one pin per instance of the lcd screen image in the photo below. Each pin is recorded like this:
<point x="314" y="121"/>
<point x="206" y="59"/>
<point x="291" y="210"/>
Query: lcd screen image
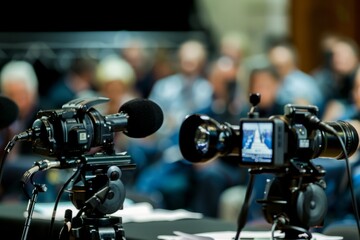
<point x="257" y="142"/>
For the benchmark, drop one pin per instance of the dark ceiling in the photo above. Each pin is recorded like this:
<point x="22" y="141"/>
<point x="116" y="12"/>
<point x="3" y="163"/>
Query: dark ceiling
<point x="101" y="16"/>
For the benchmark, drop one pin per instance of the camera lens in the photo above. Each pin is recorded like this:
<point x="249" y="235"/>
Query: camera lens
<point x="331" y="146"/>
<point x="202" y="138"/>
<point x="195" y="140"/>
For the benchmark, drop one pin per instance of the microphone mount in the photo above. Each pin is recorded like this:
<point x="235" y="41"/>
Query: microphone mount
<point x="96" y="191"/>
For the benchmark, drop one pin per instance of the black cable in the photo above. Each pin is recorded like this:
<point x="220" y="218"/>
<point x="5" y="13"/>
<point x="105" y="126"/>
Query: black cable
<point x="243" y="214"/>
<point x="7" y="149"/>
<point x="331" y="130"/>
<point x="298" y="230"/>
<point x="273" y="228"/>
<point x="281" y="222"/>
<point x="74" y="176"/>
<point x="349" y="175"/>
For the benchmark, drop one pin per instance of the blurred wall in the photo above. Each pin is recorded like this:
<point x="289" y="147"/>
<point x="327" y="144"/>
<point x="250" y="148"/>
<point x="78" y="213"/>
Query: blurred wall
<point x="302" y="21"/>
<point x="258" y="19"/>
<point x="309" y="20"/>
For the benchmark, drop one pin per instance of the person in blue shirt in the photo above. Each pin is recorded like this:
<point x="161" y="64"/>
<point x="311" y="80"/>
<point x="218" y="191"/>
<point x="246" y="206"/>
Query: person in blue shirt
<point x="168" y="175"/>
<point x="297" y="87"/>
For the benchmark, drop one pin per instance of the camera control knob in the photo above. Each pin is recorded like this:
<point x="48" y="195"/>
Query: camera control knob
<point x="254" y="99"/>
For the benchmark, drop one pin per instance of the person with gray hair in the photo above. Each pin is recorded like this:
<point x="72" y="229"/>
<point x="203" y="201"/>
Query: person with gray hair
<point x="19" y="82"/>
<point x="115" y="79"/>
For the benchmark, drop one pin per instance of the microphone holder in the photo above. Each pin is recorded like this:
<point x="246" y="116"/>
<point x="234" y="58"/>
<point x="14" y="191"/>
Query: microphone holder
<point x="33" y="199"/>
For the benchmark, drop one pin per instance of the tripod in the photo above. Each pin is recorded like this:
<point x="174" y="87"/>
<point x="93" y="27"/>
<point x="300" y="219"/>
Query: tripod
<point x="97" y="192"/>
<point x="295" y="200"/>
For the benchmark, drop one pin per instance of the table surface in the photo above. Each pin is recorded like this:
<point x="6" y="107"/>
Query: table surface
<point x="12" y="223"/>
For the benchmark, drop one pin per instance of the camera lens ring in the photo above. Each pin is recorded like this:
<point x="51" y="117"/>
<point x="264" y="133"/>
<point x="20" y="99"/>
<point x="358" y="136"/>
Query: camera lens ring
<point x="347" y="133"/>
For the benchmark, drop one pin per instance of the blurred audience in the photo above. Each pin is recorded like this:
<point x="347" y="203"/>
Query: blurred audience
<point x="296" y="87"/>
<point x="163" y="64"/>
<point x="223" y="79"/>
<point x="19" y="82"/>
<point x="266" y="81"/>
<point x="115" y="79"/>
<point x="337" y="178"/>
<point x="186" y="91"/>
<point x="353" y="110"/>
<point x="345" y="60"/>
<point x="226" y="74"/>
<point x="170" y="177"/>
<point x="139" y="56"/>
<point x="219" y="89"/>
<point x="324" y="74"/>
<point x="77" y="82"/>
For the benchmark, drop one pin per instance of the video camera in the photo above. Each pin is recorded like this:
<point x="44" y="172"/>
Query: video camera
<point x="267" y="142"/>
<point x="283" y="145"/>
<point x="80" y="137"/>
<point x="78" y="127"/>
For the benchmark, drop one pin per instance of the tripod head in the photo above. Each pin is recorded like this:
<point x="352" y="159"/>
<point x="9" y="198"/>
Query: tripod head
<point x="98" y="191"/>
<point x="100" y="176"/>
<point x="295" y="199"/>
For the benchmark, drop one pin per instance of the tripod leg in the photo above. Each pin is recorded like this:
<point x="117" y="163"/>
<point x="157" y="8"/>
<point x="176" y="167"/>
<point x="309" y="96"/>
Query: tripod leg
<point x="30" y="211"/>
<point x="65" y="230"/>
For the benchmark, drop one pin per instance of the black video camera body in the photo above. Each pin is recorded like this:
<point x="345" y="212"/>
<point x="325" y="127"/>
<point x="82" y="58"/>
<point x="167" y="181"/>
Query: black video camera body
<point x="72" y="130"/>
<point x="272" y="142"/>
<point x="266" y="142"/>
<point x="78" y="127"/>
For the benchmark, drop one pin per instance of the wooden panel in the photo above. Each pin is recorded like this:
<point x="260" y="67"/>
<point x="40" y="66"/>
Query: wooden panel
<point x="309" y="20"/>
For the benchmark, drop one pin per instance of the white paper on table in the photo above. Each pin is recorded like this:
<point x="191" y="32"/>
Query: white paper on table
<point x="132" y="212"/>
<point x="229" y="235"/>
<point x="222" y="235"/>
<point x="157" y="215"/>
